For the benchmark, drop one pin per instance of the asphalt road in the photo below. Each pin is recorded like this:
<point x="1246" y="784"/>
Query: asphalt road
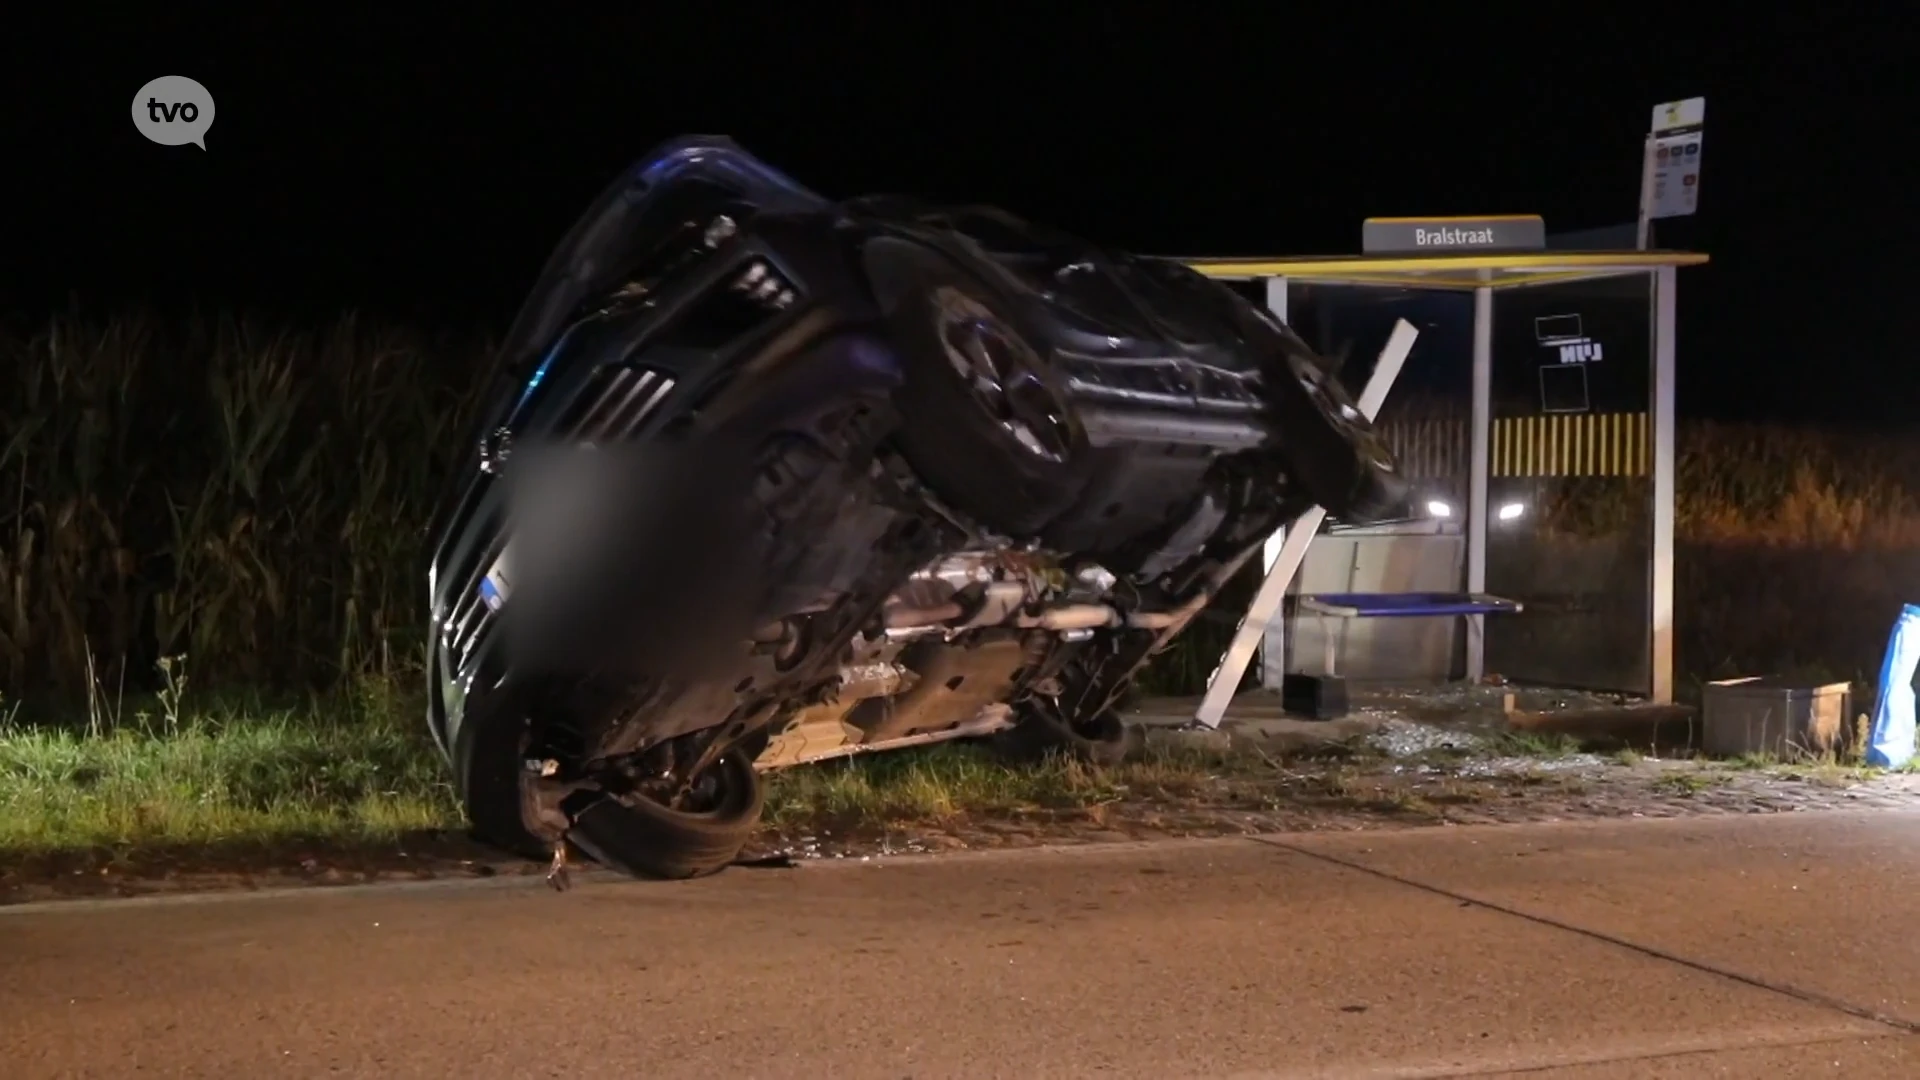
<point x="1771" y="946"/>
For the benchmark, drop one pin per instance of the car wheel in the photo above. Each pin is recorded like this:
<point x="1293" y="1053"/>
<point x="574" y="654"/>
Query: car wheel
<point x="637" y="835"/>
<point x="1104" y="742"/>
<point x="987" y="424"/>
<point x="1331" y="449"/>
<point x="488" y="757"/>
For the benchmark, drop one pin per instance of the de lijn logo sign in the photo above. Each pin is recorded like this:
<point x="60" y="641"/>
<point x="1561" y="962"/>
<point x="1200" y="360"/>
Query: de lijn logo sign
<point x="174" y="110"/>
<point x="1564" y="335"/>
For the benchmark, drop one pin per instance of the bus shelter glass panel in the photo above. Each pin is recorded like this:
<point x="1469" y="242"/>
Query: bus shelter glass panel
<point x="1427" y="420"/>
<point x="1569" y="507"/>
<point x="1186" y="668"/>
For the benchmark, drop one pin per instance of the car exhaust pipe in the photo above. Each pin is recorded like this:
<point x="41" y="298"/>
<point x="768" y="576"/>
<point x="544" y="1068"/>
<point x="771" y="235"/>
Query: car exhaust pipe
<point x="1067" y="618"/>
<point x="1072" y="617"/>
<point x="1107" y="426"/>
<point x="1162" y="620"/>
<point x="908" y="617"/>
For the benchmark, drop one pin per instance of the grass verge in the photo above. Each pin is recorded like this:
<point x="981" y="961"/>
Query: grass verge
<point x="954" y="780"/>
<point x="149" y="785"/>
<point x="249" y="775"/>
<point x="243" y="773"/>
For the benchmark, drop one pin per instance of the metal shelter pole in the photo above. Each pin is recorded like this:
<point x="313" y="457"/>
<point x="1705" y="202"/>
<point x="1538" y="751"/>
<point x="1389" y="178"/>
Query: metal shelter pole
<point x="1273" y="590"/>
<point x="1643" y="225"/>
<point x="1481" y="461"/>
<point x="1660" y="587"/>
<point x="1273" y="644"/>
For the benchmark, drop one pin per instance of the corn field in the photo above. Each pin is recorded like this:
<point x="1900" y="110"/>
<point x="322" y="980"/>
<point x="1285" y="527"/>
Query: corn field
<point x="252" y="496"/>
<point x="255" y="496"/>
<point x="1760" y="484"/>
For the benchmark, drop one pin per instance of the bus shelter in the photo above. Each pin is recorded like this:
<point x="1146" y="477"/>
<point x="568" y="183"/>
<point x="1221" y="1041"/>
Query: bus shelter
<point x="1566" y="440"/>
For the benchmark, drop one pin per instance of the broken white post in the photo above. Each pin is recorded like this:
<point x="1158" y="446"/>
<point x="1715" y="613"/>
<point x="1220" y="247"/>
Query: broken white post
<point x="1273" y="590"/>
<point x="1273" y="646"/>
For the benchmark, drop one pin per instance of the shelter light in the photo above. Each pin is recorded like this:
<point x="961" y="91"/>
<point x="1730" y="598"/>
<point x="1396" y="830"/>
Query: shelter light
<point x="1512" y="511"/>
<point x="1436" y="508"/>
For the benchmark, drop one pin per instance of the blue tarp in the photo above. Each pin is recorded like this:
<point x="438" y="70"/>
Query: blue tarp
<point x="1890" y="744"/>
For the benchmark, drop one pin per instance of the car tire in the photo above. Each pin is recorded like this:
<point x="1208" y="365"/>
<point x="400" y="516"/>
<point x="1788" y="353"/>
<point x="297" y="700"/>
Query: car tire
<point x="487" y="763"/>
<point x="1331" y="449"/>
<point x="643" y="838"/>
<point x="1104" y="742"/>
<point x="987" y="424"/>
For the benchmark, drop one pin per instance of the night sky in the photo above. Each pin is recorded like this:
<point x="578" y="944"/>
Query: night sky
<point x="422" y="167"/>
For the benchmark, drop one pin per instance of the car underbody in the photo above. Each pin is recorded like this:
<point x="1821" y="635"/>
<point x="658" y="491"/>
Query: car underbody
<point x="913" y="476"/>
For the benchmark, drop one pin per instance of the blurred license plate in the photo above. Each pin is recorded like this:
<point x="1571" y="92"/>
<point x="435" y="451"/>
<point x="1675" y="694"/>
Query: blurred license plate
<point x="495" y="587"/>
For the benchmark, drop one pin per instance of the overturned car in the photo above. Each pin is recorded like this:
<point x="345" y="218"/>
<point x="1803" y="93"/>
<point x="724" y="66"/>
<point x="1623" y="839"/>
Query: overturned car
<point x="776" y="478"/>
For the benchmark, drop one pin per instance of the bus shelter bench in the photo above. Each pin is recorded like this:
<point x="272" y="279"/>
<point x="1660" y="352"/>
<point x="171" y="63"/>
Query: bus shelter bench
<point x="1324" y="696"/>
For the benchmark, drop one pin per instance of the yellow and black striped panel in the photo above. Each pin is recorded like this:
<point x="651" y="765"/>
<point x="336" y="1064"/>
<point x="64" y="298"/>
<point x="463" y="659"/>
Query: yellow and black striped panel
<point x="1572" y="444"/>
